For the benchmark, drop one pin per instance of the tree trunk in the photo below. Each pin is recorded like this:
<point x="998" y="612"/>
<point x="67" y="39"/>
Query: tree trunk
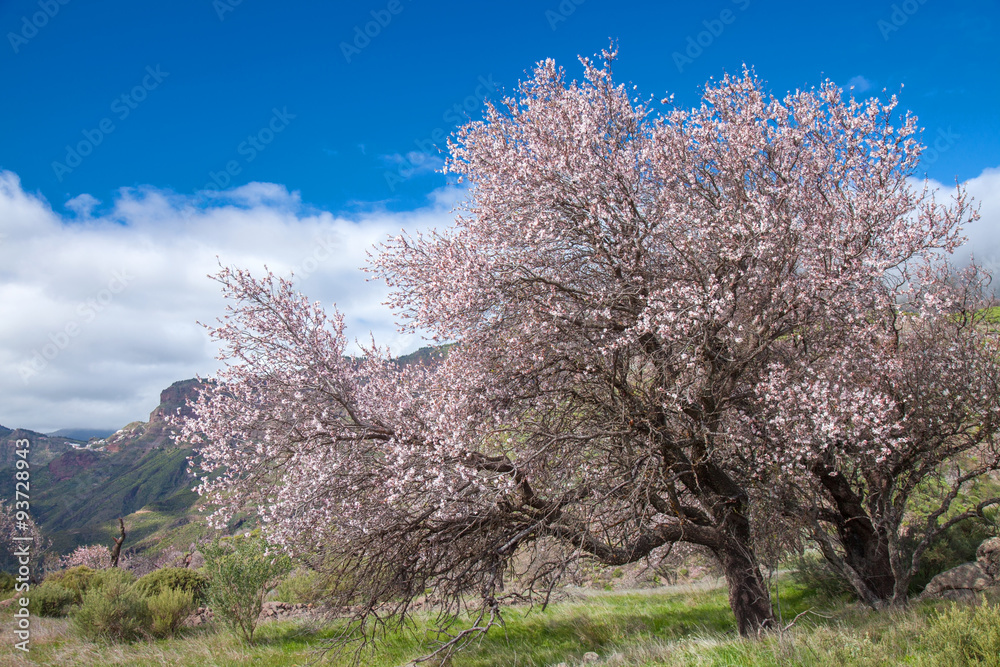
<point x="117" y="549"/>
<point x="866" y="548"/>
<point x="748" y="594"/>
<point x="868" y="553"/>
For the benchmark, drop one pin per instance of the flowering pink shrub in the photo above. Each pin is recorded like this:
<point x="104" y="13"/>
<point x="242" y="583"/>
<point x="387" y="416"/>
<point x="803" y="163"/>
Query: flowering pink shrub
<point x="94" y="556"/>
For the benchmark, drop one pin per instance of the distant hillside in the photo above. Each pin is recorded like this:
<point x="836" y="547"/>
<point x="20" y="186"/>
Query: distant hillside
<point x="79" y="489"/>
<point x="44" y="448"/>
<point x="426" y="355"/>
<point x="155" y="432"/>
<point x="83" y="434"/>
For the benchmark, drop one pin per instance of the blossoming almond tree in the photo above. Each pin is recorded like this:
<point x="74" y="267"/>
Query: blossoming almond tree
<point x="911" y="399"/>
<point x="639" y="275"/>
<point x="618" y="284"/>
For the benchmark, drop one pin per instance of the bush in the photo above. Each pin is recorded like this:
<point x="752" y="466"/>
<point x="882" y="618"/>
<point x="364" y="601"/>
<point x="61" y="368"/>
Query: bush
<point x="241" y="571"/>
<point x="966" y="635"/>
<point x="168" y="609"/>
<point x="113" y="574"/>
<point x="174" y="578"/>
<point x="116" y="611"/>
<point x="302" y="586"/>
<point x="7" y="583"/>
<point x="50" y="599"/>
<point x="78" y="579"/>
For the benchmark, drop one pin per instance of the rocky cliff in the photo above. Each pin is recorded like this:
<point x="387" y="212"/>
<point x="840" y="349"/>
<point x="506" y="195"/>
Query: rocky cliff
<point x="156" y="432"/>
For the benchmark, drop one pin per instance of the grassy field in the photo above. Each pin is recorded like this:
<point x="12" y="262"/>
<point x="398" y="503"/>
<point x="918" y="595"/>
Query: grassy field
<point x="625" y="629"/>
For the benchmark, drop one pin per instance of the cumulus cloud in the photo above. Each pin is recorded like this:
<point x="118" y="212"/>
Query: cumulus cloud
<point x="104" y="308"/>
<point x="984" y="235"/>
<point x="98" y="314"/>
<point x="83" y="205"/>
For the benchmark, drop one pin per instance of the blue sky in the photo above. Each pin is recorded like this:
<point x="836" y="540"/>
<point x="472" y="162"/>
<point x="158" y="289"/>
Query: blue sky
<point x="227" y="67"/>
<point x="118" y="115"/>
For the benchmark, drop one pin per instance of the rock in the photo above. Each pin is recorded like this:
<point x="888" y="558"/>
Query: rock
<point x="283" y="610"/>
<point x="958" y="583"/>
<point x="201" y="616"/>
<point x="965" y="582"/>
<point x="590" y="657"/>
<point x="988" y="558"/>
<point x="958" y="595"/>
<point x="197" y="561"/>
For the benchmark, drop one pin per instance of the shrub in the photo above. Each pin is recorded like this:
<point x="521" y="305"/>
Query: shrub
<point x="168" y="609"/>
<point x="174" y="578"/>
<point x="303" y="586"/>
<point x="78" y="579"/>
<point x="50" y="599"/>
<point x="966" y="635"/>
<point x="115" y="574"/>
<point x="116" y="611"/>
<point x="241" y="571"/>
<point x="7" y="582"/>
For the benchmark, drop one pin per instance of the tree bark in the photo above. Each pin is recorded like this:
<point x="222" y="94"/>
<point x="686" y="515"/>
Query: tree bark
<point x="727" y="500"/>
<point x="868" y="553"/>
<point x="866" y="548"/>
<point x="748" y="595"/>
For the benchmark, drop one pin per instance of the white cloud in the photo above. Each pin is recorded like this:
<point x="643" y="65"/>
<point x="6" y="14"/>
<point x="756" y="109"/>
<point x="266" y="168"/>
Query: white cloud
<point x="983" y="235"/>
<point x="83" y="205"/>
<point x="859" y="83"/>
<point x="413" y="163"/>
<point x="114" y="299"/>
<point x="133" y="281"/>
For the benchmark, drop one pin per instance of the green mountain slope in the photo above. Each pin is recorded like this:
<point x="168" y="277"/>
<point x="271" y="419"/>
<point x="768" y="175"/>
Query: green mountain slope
<point x="78" y="491"/>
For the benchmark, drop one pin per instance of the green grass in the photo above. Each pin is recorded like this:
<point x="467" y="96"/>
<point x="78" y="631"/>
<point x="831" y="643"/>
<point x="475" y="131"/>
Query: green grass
<point x="625" y="629"/>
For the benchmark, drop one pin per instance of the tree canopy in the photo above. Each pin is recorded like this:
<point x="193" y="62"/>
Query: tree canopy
<point x="670" y="326"/>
